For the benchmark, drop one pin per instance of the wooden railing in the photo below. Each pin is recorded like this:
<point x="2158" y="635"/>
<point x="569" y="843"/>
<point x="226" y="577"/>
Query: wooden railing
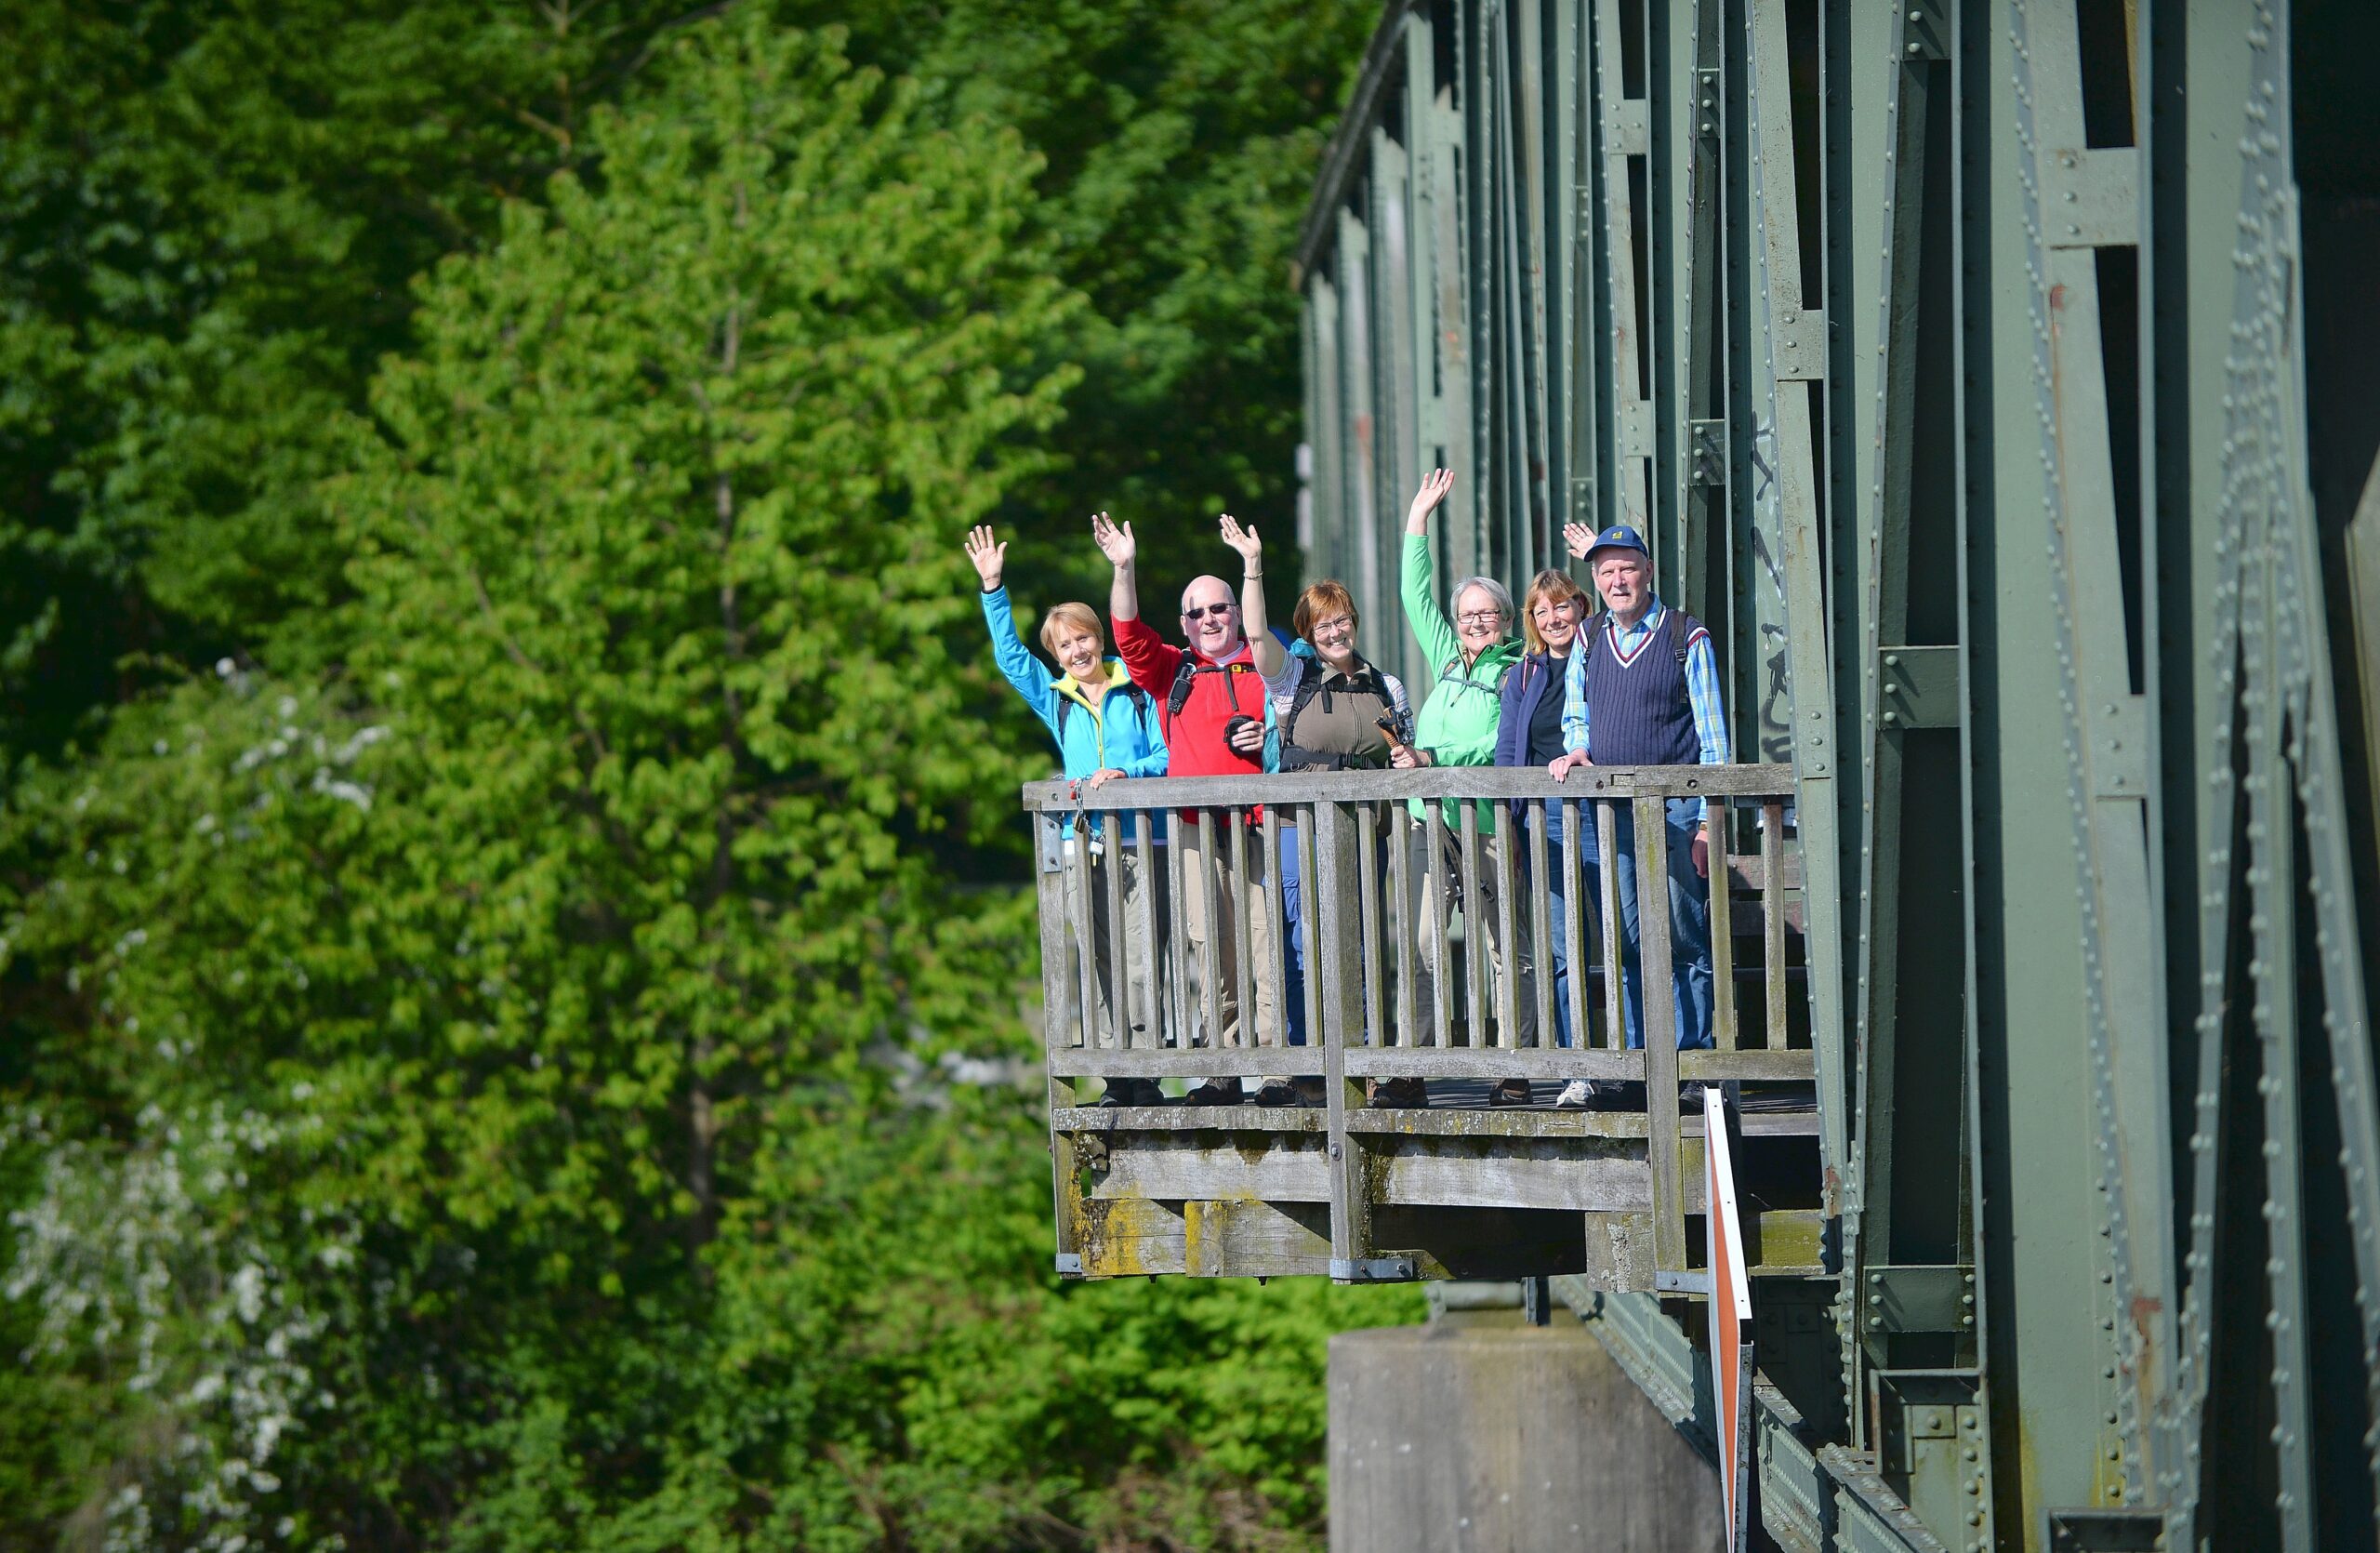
<point x="1387" y="993"/>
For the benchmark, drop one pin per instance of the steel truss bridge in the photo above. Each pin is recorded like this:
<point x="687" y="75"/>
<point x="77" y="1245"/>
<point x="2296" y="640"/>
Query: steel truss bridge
<point x="1996" y="378"/>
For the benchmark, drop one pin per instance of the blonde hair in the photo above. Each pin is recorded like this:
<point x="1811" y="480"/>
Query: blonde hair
<point x="1080" y="615"/>
<point x="1546" y="584"/>
<point x="1322" y="601"/>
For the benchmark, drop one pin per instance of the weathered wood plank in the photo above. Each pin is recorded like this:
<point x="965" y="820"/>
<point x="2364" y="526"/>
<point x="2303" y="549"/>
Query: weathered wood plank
<point x="1620" y="1253"/>
<point x="1406" y="1062"/>
<point x="1586" y="1175"/>
<point x="1470" y="781"/>
<point x="1184" y="1166"/>
<point x="1755" y="1063"/>
<point x="1237" y="1238"/>
<point x="1131" y="1238"/>
<point x="1227" y="1061"/>
<point x="1122" y="1123"/>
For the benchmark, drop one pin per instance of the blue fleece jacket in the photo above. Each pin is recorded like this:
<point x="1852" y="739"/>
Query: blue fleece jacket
<point x="1536" y="676"/>
<point x="1106" y="726"/>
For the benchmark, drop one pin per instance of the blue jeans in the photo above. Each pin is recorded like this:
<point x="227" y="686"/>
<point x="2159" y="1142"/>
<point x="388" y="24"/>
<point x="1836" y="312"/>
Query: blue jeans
<point x="1548" y="818"/>
<point x="1689" y="906"/>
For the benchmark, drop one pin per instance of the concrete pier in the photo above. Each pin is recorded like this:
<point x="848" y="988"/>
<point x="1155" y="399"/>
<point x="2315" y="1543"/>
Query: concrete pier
<point x="1488" y="1437"/>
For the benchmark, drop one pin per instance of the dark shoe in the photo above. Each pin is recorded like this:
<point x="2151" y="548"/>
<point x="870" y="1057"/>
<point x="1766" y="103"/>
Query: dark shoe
<point x="1217" y="1092"/>
<point x="1512" y="1091"/>
<point x="1310" y="1091"/>
<point x="1276" y="1092"/>
<point x="1614" y="1096"/>
<point x="1405" y="1093"/>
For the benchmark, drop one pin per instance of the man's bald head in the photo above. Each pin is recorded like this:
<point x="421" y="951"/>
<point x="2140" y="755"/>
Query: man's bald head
<point x="1214" y="632"/>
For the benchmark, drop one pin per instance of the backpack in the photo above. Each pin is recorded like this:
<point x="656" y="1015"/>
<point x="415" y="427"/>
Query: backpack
<point x="1184" y="678"/>
<point x="1456" y="672"/>
<point x="1309" y="685"/>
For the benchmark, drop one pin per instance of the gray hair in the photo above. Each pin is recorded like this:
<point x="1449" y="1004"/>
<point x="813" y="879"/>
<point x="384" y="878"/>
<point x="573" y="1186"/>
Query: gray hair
<point x="1496" y="591"/>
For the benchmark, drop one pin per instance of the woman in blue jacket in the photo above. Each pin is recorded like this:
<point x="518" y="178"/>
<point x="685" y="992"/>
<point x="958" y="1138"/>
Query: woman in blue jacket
<point x="1105" y="727"/>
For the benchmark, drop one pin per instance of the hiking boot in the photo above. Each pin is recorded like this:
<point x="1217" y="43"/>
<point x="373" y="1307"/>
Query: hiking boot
<point x="1276" y="1092"/>
<point x="1310" y="1091"/>
<point x="1397" y="1092"/>
<point x="1512" y="1091"/>
<point x="1575" y="1095"/>
<point x="1217" y="1092"/>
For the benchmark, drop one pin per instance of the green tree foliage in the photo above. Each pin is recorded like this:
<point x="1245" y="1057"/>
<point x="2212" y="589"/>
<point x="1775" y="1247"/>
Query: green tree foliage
<point x="506" y="1080"/>
<point x="210" y="213"/>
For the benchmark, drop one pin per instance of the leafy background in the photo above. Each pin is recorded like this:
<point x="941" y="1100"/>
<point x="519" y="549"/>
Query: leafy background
<point x="511" y="952"/>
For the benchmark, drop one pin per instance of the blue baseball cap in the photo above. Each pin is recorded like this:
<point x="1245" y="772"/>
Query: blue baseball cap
<point x="1618" y="537"/>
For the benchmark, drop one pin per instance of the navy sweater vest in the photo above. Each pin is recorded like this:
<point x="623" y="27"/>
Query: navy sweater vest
<point x="1637" y="711"/>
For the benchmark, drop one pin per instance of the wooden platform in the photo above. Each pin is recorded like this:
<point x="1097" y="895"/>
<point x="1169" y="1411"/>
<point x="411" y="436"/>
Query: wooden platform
<point x="1455" y="1190"/>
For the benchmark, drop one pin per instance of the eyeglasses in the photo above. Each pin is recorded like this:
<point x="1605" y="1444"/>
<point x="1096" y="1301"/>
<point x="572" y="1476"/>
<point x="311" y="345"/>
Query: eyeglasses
<point x="1217" y="610"/>
<point x="1334" y="624"/>
<point x="1479" y="617"/>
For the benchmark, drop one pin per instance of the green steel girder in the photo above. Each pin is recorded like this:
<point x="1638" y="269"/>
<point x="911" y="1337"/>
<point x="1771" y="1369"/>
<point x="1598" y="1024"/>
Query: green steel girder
<point x="1955" y="355"/>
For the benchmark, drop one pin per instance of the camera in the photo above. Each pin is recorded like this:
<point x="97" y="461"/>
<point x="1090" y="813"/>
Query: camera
<point x="1234" y="724"/>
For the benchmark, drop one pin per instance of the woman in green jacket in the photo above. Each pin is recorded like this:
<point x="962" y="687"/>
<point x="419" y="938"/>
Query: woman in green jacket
<point x="1469" y="656"/>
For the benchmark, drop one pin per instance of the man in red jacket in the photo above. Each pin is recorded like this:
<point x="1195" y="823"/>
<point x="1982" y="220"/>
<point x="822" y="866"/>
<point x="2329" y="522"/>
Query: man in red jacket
<point x="1218" y="720"/>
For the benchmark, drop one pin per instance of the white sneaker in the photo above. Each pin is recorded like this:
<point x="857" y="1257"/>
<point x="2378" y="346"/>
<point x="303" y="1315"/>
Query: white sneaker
<point x="1573" y="1096"/>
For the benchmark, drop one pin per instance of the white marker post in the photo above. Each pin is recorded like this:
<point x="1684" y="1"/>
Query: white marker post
<point x="1730" y="1317"/>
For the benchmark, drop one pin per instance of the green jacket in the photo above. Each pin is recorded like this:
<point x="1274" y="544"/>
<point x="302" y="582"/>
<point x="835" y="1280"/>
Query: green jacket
<point x="1458" y="722"/>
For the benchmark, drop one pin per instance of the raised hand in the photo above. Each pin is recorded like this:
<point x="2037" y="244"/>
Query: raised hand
<point x="1579" y="538"/>
<point x="1114" y="540"/>
<point x="1435" y="486"/>
<point x="990" y="558"/>
<point x="1250" y="548"/>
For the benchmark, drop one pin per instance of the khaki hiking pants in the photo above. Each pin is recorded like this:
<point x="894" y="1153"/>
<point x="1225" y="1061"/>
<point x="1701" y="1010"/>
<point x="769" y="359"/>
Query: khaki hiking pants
<point x="1243" y="912"/>
<point x="1141" y="969"/>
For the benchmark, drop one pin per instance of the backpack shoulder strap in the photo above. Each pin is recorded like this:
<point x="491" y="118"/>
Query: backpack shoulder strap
<point x="1179" y="697"/>
<point x="1066" y="709"/>
<point x="1309" y="682"/>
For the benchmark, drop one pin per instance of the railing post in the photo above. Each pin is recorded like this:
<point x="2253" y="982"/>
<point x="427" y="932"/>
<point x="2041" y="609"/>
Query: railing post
<point x="1337" y="954"/>
<point x="1050" y="885"/>
<point x="1722" y="929"/>
<point x="1772" y="921"/>
<point x="1660" y="999"/>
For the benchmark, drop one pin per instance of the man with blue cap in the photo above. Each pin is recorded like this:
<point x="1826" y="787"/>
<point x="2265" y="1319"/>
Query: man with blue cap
<point x="1643" y="689"/>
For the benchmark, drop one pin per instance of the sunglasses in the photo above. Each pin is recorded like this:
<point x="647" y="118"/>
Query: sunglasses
<point x="1217" y="610"/>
